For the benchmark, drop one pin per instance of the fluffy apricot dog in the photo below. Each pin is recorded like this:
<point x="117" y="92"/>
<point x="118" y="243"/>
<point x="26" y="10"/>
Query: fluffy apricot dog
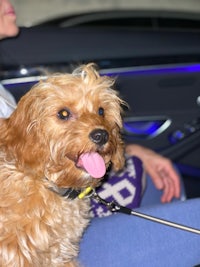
<point x="61" y="138"/>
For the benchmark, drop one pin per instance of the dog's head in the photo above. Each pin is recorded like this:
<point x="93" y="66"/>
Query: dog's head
<point x="67" y="129"/>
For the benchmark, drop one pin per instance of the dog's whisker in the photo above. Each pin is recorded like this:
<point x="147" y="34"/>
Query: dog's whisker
<point x="31" y="125"/>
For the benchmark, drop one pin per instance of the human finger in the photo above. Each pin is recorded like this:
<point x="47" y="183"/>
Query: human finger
<point x="168" y="189"/>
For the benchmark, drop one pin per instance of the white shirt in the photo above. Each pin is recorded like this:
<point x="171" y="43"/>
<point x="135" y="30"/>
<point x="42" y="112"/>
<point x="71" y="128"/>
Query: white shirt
<point x="7" y="103"/>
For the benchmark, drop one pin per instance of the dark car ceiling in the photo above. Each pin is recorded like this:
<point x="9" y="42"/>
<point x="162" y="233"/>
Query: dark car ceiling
<point x="52" y="45"/>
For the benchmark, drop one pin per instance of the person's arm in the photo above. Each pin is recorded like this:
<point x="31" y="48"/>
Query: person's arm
<point x="160" y="169"/>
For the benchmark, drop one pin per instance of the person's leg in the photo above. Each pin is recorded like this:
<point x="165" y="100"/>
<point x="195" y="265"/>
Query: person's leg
<point x="125" y="240"/>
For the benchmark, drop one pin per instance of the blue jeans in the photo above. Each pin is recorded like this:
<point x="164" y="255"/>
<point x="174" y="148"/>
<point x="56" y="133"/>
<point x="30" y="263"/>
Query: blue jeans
<point x="125" y="241"/>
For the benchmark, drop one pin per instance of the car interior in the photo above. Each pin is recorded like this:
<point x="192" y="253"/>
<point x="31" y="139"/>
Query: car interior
<point x="155" y="59"/>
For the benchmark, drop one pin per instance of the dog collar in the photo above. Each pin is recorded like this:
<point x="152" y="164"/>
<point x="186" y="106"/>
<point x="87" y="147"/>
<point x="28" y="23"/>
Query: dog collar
<point x="72" y="193"/>
<point x="69" y="192"/>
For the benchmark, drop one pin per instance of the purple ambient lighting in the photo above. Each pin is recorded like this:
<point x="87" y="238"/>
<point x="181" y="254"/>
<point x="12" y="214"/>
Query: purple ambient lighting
<point x="143" y="129"/>
<point x="155" y="70"/>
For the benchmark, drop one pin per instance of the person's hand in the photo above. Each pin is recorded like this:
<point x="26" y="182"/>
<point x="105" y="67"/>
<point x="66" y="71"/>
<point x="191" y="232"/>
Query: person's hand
<point x="160" y="169"/>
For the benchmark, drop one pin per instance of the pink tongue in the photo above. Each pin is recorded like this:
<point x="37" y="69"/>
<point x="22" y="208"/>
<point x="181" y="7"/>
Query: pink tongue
<point x="93" y="163"/>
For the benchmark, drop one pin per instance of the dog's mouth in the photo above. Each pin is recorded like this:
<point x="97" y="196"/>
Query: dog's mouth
<point x="92" y="163"/>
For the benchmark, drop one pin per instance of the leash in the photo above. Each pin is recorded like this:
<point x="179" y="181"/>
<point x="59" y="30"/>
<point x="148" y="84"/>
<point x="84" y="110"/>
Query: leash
<point x="115" y="207"/>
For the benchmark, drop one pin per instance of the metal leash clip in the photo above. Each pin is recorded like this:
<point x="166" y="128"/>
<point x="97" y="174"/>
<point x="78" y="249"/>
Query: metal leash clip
<point x="112" y="206"/>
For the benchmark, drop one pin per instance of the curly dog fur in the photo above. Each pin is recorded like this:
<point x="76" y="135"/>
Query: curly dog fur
<point x="41" y="147"/>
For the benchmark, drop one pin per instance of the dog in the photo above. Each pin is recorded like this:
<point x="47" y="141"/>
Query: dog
<point x="63" y="136"/>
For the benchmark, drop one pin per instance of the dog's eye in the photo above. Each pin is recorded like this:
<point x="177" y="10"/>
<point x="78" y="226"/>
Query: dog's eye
<point x="64" y="114"/>
<point x="101" y="111"/>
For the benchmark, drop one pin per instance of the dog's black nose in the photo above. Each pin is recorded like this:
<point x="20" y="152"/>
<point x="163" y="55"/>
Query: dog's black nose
<point x="99" y="136"/>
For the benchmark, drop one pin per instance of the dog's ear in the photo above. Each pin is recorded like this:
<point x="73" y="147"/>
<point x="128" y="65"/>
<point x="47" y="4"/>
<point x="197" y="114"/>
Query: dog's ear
<point x="3" y="129"/>
<point x="2" y="122"/>
<point x="118" y="159"/>
<point x="20" y="138"/>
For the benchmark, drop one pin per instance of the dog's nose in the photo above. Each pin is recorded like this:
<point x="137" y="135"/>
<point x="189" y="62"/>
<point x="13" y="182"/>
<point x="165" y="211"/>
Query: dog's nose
<point x="99" y="136"/>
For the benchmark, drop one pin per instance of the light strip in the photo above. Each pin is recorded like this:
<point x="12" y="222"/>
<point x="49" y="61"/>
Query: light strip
<point x="148" y="70"/>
